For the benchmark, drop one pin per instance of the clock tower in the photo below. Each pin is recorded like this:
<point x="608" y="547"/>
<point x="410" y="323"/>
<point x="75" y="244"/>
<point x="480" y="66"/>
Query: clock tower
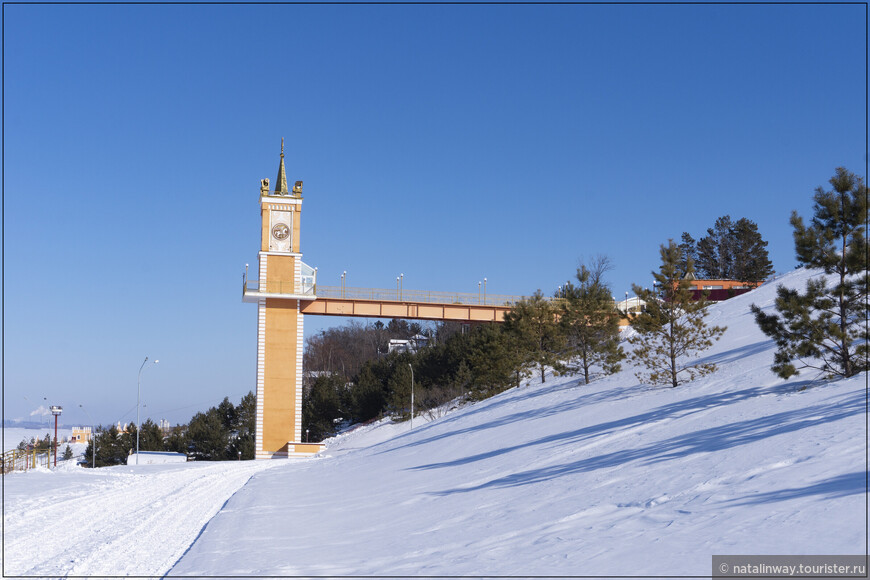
<point x="284" y="282"/>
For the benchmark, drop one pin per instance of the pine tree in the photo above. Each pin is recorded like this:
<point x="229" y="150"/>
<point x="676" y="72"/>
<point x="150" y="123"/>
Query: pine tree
<point x="707" y="265"/>
<point x="44" y="444"/>
<point x="245" y="426"/>
<point x="672" y="329"/>
<point x="688" y="252"/>
<point x="111" y="449"/>
<point x="534" y="324"/>
<point x="730" y="251"/>
<point x="150" y="437"/>
<point x="590" y="322"/>
<point x="492" y="358"/>
<point x="750" y="262"/>
<point x="722" y="232"/>
<point x="368" y="396"/>
<point x="177" y="441"/>
<point x="322" y="407"/>
<point x="67" y="453"/>
<point x="825" y="328"/>
<point x="206" y="436"/>
<point x="399" y="384"/>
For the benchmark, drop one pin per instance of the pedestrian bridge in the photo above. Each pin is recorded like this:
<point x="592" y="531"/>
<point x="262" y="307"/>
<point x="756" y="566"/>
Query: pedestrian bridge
<point x="386" y="303"/>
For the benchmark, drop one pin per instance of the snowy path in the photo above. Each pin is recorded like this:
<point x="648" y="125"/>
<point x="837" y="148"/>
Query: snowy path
<point x="115" y="521"/>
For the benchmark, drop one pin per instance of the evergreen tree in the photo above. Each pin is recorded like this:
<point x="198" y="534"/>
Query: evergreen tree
<point x="399" y="385"/>
<point x="731" y="251"/>
<point x="245" y="427"/>
<point x="590" y="322"/>
<point x="492" y="356"/>
<point x="672" y="329"/>
<point x="322" y="407"/>
<point x="44" y="444"/>
<point x="67" y="453"/>
<point x="534" y="324"/>
<point x="716" y="250"/>
<point x="150" y="436"/>
<point x="177" y="441"/>
<point x="825" y="328"/>
<point x="723" y="235"/>
<point x="369" y="395"/>
<point x="227" y="413"/>
<point x="688" y="253"/>
<point x="750" y="262"/>
<point x="111" y="449"/>
<point x="707" y="266"/>
<point x="207" y="438"/>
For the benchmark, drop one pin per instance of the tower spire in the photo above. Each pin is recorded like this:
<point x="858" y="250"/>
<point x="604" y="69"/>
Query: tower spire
<point x="281" y="181"/>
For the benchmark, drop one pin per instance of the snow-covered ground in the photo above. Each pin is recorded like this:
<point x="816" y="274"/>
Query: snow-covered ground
<point x="613" y="478"/>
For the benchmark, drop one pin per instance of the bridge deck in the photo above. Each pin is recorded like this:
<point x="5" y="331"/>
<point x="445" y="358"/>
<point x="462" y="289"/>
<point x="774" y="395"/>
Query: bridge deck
<point x="381" y="303"/>
<point x="398" y="303"/>
<point x="405" y="309"/>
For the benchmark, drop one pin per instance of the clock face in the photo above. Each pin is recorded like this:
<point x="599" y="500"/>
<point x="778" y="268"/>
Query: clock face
<point x="280" y="231"/>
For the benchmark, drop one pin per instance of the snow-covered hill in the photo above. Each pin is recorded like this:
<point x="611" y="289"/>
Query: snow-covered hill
<point x="613" y="478"/>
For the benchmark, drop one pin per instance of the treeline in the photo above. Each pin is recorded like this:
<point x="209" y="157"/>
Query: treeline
<point x="343" y="350"/>
<point x="477" y="363"/>
<point x="576" y="331"/>
<point x="729" y="251"/>
<point x="221" y="433"/>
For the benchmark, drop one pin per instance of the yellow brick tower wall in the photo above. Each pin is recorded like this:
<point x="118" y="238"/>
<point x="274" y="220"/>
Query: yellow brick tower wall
<point x="279" y="330"/>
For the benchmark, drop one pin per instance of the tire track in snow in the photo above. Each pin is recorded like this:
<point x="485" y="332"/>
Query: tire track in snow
<point x="140" y="525"/>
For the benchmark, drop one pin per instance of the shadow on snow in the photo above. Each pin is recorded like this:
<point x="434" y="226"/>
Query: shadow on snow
<point x="704" y="441"/>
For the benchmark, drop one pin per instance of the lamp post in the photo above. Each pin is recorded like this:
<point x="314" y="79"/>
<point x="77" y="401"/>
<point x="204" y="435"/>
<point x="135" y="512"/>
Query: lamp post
<point x="478" y="291"/>
<point x="56" y="410"/>
<point x="306" y="435"/>
<point x="412" y="395"/>
<point x="484" y="290"/>
<point x="626" y="303"/>
<point x="93" y="437"/>
<point x="343" y="277"/>
<point x="401" y="286"/>
<point x="138" y="398"/>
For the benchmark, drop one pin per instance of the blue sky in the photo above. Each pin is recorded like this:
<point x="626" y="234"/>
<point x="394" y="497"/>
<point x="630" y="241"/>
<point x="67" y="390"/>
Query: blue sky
<point x="448" y="143"/>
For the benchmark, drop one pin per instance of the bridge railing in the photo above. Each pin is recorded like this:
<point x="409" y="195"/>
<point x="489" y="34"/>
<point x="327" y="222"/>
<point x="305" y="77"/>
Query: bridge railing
<point x="277" y="287"/>
<point x="402" y="295"/>
<point x="383" y="294"/>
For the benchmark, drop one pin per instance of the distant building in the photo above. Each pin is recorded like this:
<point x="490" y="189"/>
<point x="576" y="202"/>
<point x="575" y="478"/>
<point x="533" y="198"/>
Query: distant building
<point x="411" y="345"/>
<point x="156" y="457"/>
<point x="80" y="435"/>
<point x="718" y="290"/>
<point x="633" y="304"/>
